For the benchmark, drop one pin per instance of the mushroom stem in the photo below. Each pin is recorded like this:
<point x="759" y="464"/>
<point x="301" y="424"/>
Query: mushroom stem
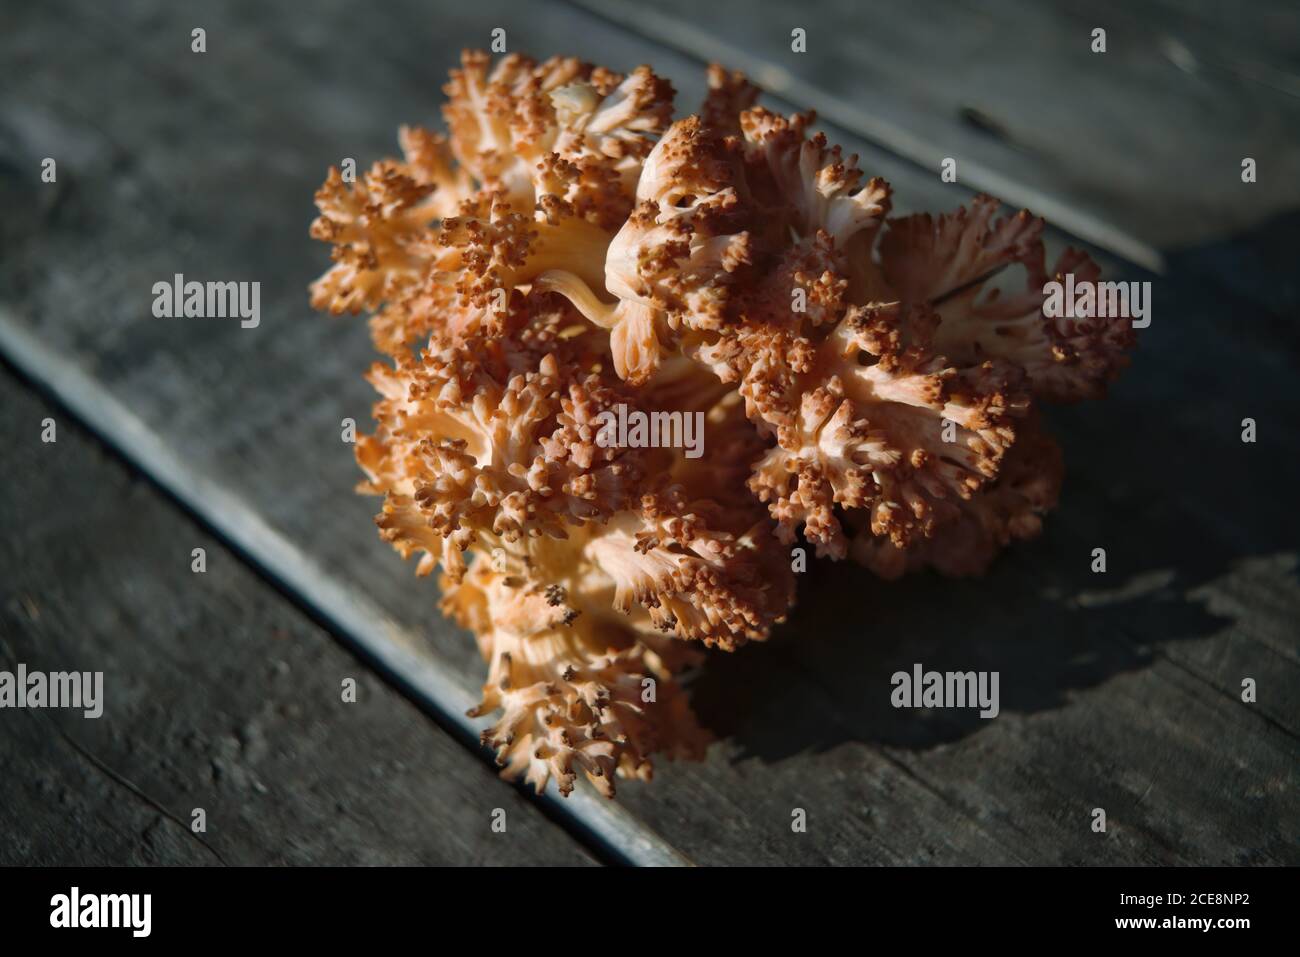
<point x="579" y="293"/>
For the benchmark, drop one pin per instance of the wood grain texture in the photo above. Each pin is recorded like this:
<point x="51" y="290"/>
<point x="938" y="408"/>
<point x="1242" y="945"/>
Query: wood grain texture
<point x="1137" y="149"/>
<point x="218" y="694"/>
<point x="151" y="193"/>
<point x="1119" y="691"/>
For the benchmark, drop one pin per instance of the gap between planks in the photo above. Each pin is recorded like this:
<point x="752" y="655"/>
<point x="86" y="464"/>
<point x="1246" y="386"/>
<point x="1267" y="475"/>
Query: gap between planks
<point x="348" y="613"/>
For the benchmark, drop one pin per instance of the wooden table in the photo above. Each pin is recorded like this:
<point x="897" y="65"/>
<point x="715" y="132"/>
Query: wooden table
<point x="1120" y="691"/>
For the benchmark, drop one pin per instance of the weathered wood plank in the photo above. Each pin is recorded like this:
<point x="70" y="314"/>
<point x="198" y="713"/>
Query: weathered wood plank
<point x="1115" y="693"/>
<point x="241" y="467"/>
<point x="1137" y="149"/>
<point x="217" y="694"/>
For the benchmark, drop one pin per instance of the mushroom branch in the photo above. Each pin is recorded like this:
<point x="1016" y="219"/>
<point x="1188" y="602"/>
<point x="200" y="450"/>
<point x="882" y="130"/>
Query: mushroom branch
<point x="568" y="254"/>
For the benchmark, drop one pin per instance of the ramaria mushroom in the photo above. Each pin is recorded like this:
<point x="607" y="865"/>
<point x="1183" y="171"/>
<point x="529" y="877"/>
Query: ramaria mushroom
<point x="566" y="251"/>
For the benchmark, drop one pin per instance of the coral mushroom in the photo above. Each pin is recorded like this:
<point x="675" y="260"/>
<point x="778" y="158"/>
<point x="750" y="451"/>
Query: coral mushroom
<point x="569" y="255"/>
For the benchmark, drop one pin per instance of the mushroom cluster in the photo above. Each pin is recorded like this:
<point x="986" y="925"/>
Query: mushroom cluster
<point x="568" y="253"/>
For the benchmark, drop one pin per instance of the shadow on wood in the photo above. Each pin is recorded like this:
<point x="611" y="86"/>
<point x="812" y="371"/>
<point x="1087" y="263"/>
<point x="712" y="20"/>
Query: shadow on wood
<point x="1158" y="475"/>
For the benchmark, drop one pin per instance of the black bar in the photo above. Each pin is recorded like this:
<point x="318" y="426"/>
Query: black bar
<point x="335" y="906"/>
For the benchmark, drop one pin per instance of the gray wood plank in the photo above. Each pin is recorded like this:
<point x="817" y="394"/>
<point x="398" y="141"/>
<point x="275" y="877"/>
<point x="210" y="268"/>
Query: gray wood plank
<point x="1117" y="690"/>
<point x="217" y="694"/>
<point x="1138" y="149"/>
<point x="152" y="145"/>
